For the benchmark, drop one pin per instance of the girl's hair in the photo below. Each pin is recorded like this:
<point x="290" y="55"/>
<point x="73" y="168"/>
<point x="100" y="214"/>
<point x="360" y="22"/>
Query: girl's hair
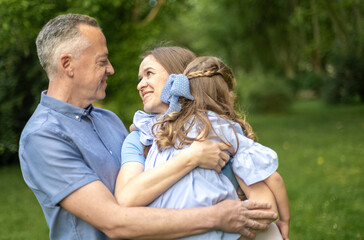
<point x="174" y="60"/>
<point x="212" y="84"/>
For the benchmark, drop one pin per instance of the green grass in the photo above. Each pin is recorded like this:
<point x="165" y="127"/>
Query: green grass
<point x="21" y="216"/>
<point x="321" y="155"/>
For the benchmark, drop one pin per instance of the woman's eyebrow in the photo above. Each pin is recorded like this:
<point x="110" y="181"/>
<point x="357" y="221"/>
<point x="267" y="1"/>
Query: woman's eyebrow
<point x="145" y="70"/>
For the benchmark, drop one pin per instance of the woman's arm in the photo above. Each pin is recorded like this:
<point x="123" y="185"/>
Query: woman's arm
<point x="276" y="185"/>
<point x="137" y="188"/>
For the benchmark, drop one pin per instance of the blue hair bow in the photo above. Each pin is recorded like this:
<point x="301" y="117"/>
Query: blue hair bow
<point x="176" y="86"/>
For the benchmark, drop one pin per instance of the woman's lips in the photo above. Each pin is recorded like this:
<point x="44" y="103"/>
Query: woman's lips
<point x="144" y="94"/>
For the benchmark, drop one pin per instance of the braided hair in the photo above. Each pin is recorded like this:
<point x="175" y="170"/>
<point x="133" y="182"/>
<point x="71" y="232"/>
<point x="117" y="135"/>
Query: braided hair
<point x="212" y="84"/>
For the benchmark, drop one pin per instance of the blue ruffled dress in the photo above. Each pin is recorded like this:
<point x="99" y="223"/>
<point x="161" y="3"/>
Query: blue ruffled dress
<point x="253" y="162"/>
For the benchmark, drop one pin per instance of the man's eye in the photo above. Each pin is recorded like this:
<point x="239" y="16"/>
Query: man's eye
<point x="103" y="62"/>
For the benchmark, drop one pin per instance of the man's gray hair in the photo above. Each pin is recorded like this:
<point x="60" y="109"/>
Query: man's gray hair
<point x="62" y="35"/>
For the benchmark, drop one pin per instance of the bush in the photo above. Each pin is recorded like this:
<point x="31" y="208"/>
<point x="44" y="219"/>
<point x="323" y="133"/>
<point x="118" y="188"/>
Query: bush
<point x="347" y="83"/>
<point x="264" y="93"/>
<point x="309" y="81"/>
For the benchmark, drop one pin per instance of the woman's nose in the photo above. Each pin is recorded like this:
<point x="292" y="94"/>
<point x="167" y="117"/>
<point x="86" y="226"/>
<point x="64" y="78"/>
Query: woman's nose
<point x="142" y="84"/>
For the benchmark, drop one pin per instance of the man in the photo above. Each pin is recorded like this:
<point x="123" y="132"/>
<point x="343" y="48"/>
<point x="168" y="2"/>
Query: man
<point x="70" y="151"/>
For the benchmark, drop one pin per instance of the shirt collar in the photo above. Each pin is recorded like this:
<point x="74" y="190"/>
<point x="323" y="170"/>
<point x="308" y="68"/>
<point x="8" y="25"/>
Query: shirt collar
<point x="64" y="108"/>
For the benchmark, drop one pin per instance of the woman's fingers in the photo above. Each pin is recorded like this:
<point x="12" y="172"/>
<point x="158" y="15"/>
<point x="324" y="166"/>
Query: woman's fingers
<point x="225" y="147"/>
<point x="211" y="155"/>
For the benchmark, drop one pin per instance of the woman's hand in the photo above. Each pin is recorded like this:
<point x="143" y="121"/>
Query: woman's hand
<point x="209" y="154"/>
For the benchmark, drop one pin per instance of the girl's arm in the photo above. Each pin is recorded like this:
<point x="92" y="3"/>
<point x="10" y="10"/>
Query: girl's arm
<point x="258" y="192"/>
<point x="137" y="188"/>
<point x="276" y="185"/>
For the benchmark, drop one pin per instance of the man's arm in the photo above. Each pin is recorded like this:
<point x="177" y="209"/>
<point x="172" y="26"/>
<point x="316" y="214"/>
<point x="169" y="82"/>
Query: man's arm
<point x="95" y="204"/>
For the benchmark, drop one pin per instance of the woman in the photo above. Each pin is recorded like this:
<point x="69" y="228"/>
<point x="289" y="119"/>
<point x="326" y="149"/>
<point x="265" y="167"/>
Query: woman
<point x="150" y="94"/>
<point x="157" y="64"/>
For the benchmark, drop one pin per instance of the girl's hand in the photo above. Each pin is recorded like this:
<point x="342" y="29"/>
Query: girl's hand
<point x="209" y="154"/>
<point x="283" y="228"/>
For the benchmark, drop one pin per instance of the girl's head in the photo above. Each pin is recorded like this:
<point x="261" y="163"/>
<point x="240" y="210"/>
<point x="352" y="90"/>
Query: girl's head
<point x="154" y="70"/>
<point x="211" y="83"/>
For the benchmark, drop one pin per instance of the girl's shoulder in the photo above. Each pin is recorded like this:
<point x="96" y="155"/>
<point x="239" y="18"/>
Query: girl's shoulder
<point x="216" y="120"/>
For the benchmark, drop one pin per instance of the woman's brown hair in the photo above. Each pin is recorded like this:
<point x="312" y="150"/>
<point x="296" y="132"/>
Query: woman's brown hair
<point x="212" y="84"/>
<point x="174" y="60"/>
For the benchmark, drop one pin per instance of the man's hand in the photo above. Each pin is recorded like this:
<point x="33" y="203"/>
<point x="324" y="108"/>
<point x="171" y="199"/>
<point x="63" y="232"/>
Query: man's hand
<point x="237" y="216"/>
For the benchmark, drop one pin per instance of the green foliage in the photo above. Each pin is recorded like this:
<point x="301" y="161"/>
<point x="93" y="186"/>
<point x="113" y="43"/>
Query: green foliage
<point x="264" y="92"/>
<point x="127" y="27"/>
<point x="290" y="38"/>
<point x="313" y="81"/>
<point x="317" y="44"/>
<point x="20" y="76"/>
<point x="346" y="84"/>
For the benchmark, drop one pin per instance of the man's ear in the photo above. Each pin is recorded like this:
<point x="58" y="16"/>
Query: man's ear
<point x="65" y="62"/>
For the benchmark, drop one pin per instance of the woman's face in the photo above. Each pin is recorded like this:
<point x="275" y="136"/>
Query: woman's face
<point x="152" y="77"/>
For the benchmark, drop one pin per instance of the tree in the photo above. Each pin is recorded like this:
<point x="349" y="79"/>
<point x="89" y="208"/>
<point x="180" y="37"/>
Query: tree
<point x="128" y="26"/>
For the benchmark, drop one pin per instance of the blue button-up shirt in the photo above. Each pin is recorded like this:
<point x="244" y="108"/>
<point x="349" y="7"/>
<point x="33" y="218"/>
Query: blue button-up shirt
<point x="64" y="147"/>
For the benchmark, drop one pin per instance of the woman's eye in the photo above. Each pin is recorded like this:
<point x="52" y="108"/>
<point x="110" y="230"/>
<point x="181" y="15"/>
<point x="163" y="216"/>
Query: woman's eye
<point x="149" y="73"/>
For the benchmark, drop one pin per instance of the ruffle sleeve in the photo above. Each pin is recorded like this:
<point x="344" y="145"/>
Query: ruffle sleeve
<point x="252" y="162"/>
<point x="143" y="122"/>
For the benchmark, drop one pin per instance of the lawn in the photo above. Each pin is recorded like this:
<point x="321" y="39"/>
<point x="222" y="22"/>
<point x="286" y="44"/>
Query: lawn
<point x="321" y="155"/>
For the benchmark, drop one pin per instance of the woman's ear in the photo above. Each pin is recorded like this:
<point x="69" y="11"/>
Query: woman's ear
<point x="65" y="62"/>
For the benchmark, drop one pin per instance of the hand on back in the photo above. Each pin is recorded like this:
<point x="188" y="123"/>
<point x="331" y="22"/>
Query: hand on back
<point x="209" y="154"/>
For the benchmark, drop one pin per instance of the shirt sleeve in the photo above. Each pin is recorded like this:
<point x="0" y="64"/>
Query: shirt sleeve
<point x="53" y="167"/>
<point x="132" y="149"/>
<point x="252" y="162"/>
<point x="143" y="122"/>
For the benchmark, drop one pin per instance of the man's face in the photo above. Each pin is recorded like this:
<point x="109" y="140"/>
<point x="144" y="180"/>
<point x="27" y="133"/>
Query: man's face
<point x="92" y="68"/>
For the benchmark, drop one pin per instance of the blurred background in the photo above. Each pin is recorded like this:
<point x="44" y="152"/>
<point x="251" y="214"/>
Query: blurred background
<point x="299" y="66"/>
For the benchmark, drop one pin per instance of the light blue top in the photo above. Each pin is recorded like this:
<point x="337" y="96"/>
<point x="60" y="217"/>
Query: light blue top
<point x="61" y="151"/>
<point x="253" y="162"/>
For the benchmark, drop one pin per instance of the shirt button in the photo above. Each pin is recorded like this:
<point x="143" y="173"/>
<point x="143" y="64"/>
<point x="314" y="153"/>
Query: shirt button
<point x="110" y="152"/>
<point x="84" y="113"/>
<point x="77" y="117"/>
